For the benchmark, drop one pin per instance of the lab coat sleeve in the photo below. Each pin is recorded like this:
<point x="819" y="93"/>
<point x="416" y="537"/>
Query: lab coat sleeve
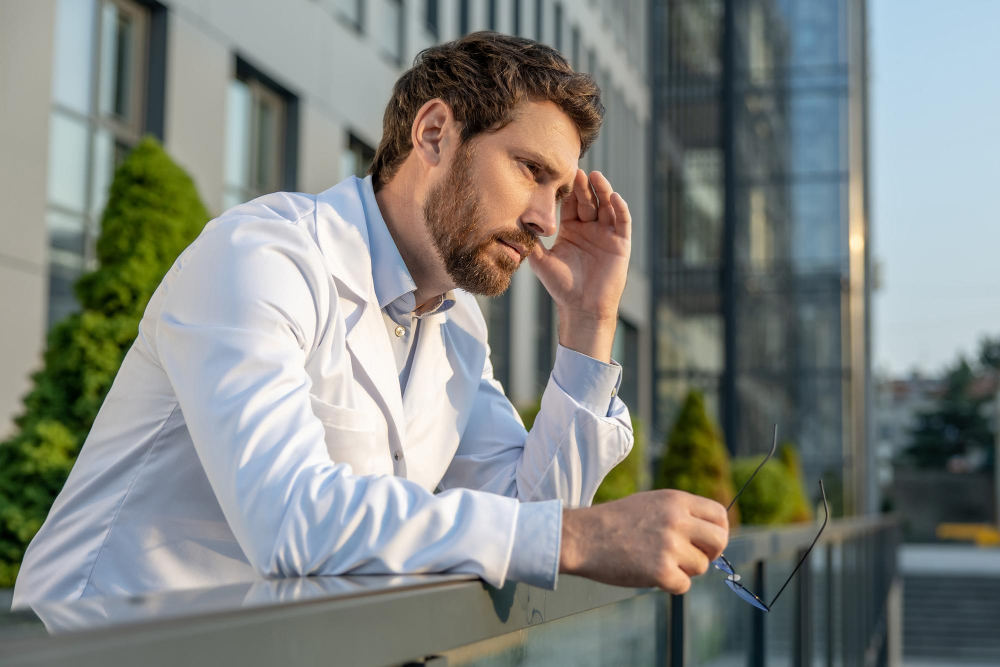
<point x="250" y="300"/>
<point x="581" y="432"/>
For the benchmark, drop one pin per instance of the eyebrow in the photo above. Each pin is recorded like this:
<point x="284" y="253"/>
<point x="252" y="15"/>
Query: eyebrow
<point x="547" y="167"/>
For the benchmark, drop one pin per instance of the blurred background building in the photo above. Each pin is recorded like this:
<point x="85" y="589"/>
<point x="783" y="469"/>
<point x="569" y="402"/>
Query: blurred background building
<point x="252" y="97"/>
<point x="749" y="278"/>
<point x="760" y="246"/>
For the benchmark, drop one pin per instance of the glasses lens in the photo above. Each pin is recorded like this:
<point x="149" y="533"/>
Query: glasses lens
<point x="737" y="588"/>
<point x="723" y="565"/>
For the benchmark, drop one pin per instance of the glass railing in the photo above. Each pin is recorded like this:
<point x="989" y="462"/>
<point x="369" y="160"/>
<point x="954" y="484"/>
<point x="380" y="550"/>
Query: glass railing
<point x="841" y="609"/>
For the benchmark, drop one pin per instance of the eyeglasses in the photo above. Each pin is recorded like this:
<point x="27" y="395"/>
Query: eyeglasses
<point x="733" y="580"/>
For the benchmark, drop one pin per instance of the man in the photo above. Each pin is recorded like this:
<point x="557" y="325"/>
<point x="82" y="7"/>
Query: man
<point x="310" y="392"/>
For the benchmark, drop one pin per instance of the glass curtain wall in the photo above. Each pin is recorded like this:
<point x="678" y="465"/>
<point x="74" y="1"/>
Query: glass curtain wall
<point x="753" y="282"/>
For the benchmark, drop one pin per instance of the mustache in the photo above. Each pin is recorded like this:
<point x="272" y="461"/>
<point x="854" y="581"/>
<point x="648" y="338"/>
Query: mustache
<point x="517" y="237"/>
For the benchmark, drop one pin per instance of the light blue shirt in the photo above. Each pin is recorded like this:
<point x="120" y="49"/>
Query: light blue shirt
<point x="592" y="383"/>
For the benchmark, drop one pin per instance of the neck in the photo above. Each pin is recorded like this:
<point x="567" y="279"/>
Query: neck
<point x="401" y="203"/>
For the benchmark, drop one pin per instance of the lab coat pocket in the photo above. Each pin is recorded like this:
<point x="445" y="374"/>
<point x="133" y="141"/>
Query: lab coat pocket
<point x="349" y="434"/>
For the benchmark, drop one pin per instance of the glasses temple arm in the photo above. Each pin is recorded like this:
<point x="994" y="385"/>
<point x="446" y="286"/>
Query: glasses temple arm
<point x="806" y="554"/>
<point x="774" y="445"/>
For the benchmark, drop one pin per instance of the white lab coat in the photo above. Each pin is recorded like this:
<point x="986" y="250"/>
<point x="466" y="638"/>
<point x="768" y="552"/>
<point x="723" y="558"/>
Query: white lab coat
<point x="256" y="428"/>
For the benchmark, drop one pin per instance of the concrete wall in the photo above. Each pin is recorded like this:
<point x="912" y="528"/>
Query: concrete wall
<point x="26" y="51"/>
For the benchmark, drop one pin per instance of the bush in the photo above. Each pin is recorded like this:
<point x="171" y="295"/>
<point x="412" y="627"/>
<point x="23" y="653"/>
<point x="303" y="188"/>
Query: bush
<point x="776" y="495"/>
<point x="697" y="461"/>
<point x="153" y="213"/>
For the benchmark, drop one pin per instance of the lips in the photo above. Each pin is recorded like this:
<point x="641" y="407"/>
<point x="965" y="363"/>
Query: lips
<point x="521" y="250"/>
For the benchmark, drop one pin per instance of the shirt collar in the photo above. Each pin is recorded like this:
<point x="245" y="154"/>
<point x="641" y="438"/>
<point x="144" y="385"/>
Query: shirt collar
<point x="394" y="285"/>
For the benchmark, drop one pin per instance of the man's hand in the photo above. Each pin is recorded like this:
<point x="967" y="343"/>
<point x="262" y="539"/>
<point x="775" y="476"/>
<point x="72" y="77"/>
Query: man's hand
<point x="586" y="268"/>
<point x="657" y="538"/>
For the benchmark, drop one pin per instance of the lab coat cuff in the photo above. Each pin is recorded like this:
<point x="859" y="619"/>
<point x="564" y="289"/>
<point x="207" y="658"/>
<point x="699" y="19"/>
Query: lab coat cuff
<point x="537" y="540"/>
<point x="591" y="383"/>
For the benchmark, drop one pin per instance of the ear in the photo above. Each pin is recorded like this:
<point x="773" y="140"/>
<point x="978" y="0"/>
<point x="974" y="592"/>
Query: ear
<point x="434" y="131"/>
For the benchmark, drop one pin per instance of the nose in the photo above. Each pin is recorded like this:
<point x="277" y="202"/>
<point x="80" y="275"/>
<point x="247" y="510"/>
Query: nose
<point x="541" y="218"/>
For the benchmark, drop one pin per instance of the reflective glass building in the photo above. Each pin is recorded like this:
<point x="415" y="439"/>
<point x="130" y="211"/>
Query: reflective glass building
<point x="760" y="286"/>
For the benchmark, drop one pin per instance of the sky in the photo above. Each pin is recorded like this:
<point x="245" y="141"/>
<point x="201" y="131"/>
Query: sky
<point x="935" y="179"/>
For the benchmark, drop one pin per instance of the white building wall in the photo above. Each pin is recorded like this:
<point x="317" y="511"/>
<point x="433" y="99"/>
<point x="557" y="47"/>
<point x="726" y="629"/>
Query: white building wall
<point x="343" y="80"/>
<point x="26" y="38"/>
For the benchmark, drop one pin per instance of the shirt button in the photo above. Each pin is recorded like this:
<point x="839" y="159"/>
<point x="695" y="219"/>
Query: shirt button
<point x="400" y="331"/>
<point x="613" y="392"/>
<point x="397" y="455"/>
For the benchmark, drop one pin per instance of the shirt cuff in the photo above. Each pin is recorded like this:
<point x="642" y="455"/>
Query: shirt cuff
<point x="537" y="538"/>
<point x="591" y="383"/>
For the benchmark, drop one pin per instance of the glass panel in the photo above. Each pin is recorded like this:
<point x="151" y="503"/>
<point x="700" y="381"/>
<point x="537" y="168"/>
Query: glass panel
<point x="267" y="147"/>
<point x="238" y="135"/>
<point x="63" y="272"/>
<point x="819" y="226"/>
<point x="351" y="10"/>
<point x="66" y="232"/>
<point x="74" y="35"/>
<point x="117" y="61"/>
<point x="67" y="162"/>
<point x="348" y="163"/>
<point x="102" y="171"/>
<point x="632" y="632"/>
<point x="392" y="28"/>
<point x="780" y="627"/>
<point x="818" y="142"/>
<point x="718" y="621"/>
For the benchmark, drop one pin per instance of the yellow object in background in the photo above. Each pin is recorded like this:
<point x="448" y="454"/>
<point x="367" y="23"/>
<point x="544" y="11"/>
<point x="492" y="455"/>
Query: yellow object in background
<point x="983" y="534"/>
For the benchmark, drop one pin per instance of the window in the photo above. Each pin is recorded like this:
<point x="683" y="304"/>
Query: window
<point x="392" y="30"/>
<point x="558" y="27"/>
<point x="575" y="48"/>
<point x="539" y="20"/>
<point x="352" y="12"/>
<point x="515" y="28"/>
<point x="357" y="158"/>
<point x="463" y="17"/>
<point x="255" y="141"/>
<point x="625" y="350"/>
<point x="491" y="10"/>
<point x="432" y="17"/>
<point x="499" y="337"/>
<point x="99" y="100"/>
<point x="545" y="332"/>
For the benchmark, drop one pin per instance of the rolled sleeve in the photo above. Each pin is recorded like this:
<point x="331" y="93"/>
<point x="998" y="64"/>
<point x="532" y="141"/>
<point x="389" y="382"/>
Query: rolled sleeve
<point x="537" y="538"/>
<point x="591" y="383"/>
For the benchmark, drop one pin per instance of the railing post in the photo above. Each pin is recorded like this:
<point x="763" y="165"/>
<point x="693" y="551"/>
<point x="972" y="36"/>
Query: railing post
<point x="677" y="631"/>
<point x="803" y="612"/>
<point x="829" y="606"/>
<point x="758" y="656"/>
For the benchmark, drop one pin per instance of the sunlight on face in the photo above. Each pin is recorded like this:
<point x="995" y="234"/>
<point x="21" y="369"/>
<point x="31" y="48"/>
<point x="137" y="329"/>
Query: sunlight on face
<point x="501" y="193"/>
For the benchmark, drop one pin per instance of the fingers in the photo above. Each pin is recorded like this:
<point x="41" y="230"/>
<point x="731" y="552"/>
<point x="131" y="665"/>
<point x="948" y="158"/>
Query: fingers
<point x="586" y="204"/>
<point x="692" y="561"/>
<point x="709" y="538"/>
<point x="623" y="219"/>
<point x="709" y="510"/>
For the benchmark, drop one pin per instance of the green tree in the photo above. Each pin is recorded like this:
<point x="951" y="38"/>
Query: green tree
<point x="958" y="424"/>
<point x="697" y="461"/>
<point x="153" y="213"/>
<point x="788" y="456"/>
<point x="770" y="497"/>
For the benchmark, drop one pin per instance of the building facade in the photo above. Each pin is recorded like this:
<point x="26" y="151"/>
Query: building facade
<point x="761" y="289"/>
<point x="254" y="96"/>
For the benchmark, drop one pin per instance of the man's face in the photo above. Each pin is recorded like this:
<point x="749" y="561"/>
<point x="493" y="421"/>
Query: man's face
<point x="500" y="194"/>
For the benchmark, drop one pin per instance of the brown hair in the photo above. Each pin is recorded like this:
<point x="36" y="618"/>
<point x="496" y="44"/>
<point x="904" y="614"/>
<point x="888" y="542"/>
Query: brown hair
<point x="483" y="77"/>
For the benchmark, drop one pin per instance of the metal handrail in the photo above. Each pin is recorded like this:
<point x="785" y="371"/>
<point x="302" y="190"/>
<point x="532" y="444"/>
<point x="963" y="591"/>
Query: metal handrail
<point x="337" y="620"/>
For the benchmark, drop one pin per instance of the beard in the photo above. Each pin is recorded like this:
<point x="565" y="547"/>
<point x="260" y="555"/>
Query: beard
<point x="454" y="217"/>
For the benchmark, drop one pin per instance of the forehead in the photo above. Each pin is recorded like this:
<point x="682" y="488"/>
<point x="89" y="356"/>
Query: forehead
<point x="543" y="128"/>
